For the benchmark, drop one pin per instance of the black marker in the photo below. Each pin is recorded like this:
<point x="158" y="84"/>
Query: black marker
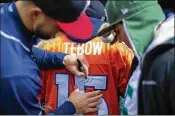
<point x="80" y="67"/>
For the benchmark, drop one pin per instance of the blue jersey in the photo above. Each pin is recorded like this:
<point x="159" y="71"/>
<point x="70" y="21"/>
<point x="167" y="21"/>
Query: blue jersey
<point x="20" y="81"/>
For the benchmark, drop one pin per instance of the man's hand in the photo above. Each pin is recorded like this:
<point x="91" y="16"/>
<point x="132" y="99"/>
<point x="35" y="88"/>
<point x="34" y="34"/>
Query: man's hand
<point x="85" y="102"/>
<point x="71" y="63"/>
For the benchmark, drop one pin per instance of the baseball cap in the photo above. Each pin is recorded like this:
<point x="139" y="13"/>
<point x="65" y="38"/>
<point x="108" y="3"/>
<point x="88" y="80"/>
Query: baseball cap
<point x="88" y="24"/>
<point x="70" y="16"/>
<point x="97" y="10"/>
<point x="62" y="10"/>
<point x="139" y="18"/>
<point x="119" y="10"/>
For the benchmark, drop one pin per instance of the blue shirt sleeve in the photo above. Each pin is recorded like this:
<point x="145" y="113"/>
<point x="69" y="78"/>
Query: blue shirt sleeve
<point x="67" y="108"/>
<point x="21" y="93"/>
<point x="48" y="60"/>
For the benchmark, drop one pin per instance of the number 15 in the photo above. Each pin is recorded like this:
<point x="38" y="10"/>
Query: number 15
<point x="96" y="82"/>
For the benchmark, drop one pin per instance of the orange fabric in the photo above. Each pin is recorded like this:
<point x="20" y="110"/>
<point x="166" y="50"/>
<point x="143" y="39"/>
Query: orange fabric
<point x="112" y="61"/>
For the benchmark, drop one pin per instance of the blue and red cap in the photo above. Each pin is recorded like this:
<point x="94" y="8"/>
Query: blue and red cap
<point x="73" y="16"/>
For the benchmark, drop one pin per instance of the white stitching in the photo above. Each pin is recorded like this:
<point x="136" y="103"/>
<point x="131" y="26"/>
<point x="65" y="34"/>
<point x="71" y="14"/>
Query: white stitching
<point x="15" y="39"/>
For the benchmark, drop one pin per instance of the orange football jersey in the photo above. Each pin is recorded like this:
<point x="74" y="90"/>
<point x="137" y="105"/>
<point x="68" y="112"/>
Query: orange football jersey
<point x="109" y="72"/>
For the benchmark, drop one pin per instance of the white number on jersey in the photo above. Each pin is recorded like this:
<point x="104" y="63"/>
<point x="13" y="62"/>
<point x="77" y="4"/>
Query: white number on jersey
<point x="95" y="82"/>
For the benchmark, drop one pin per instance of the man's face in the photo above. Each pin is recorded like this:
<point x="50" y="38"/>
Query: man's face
<point x="44" y="26"/>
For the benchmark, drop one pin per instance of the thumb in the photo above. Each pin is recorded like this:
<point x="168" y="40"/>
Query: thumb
<point x="76" y="72"/>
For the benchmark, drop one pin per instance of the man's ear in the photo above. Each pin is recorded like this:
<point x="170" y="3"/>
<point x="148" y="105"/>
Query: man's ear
<point x="35" y="13"/>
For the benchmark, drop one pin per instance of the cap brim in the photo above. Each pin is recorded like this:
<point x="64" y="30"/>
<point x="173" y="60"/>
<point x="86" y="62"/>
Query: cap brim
<point x="96" y="23"/>
<point x="82" y="28"/>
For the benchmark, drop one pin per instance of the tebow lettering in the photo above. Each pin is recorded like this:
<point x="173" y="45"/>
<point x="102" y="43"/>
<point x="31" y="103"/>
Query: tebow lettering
<point x="88" y="48"/>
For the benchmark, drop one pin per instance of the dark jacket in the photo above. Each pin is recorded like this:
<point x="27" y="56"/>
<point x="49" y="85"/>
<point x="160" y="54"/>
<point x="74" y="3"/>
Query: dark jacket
<point x="157" y="83"/>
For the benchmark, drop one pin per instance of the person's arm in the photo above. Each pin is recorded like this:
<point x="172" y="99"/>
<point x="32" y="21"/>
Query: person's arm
<point x="19" y="93"/>
<point x="162" y="72"/>
<point x="159" y="79"/>
<point x="20" y="97"/>
<point x="67" y="108"/>
<point x="48" y="60"/>
<point x="124" y="74"/>
<point x="121" y="60"/>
